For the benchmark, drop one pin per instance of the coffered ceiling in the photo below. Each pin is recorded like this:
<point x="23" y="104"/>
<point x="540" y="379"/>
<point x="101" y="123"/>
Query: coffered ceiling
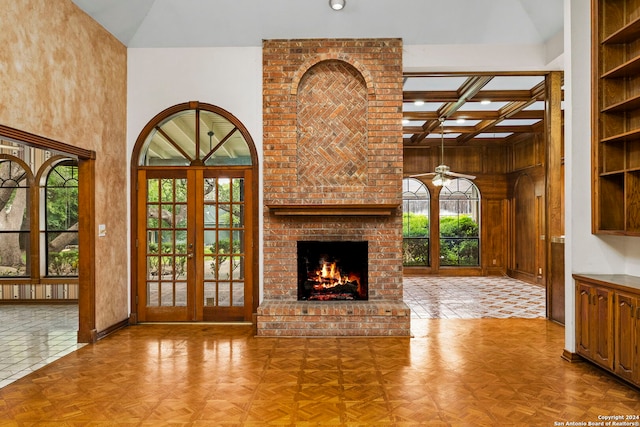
<point x="471" y="108"/>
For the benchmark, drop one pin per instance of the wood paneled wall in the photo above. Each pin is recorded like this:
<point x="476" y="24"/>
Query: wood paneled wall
<point x="511" y="181"/>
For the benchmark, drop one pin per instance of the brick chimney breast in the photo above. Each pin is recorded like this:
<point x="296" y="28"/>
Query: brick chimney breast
<point x="332" y="138"/>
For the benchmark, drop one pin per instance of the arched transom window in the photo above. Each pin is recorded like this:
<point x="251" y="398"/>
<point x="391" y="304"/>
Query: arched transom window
<point x="195" y="137"/>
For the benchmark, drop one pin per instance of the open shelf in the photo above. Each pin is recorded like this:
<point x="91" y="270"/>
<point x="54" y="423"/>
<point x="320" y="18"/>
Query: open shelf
<point x="627" y="33"/>
<point x="616" y="108"/>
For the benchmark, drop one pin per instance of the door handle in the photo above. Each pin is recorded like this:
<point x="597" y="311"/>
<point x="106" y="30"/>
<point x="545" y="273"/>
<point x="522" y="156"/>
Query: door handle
<point x="190" y="255"/>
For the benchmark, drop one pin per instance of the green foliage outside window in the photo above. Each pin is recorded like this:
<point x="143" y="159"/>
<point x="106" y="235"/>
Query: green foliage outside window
<point x="459" y="241"/>
<point x="415" y="225"/>
<point x="415" y="243"/>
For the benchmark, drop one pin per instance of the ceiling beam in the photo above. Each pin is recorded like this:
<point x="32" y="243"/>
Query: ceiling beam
<point x="468" y="89"/>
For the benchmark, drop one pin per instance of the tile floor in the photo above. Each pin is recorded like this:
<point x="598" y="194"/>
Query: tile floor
<point x="32" y="336"/>
<point x="473" y="298"/>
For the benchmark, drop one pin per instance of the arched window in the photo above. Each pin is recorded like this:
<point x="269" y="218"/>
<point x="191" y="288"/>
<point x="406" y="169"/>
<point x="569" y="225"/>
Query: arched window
<point x="415" y="223"/>
<point x="61" y="219"/>
<point x="195" y="137"/>
<point x="460" y="224"/>
<point x="14" y="219"/>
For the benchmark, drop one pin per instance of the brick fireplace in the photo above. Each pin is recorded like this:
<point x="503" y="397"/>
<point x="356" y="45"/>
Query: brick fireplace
<point x="333" y="173"/>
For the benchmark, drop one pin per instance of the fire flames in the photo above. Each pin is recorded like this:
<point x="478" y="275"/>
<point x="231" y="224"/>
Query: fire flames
<point x="329" y="276"/>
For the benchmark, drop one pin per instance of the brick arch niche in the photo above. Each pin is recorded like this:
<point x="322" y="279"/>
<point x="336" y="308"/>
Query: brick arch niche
<point x="331" y="126"/>
<point x="332" y="173"/>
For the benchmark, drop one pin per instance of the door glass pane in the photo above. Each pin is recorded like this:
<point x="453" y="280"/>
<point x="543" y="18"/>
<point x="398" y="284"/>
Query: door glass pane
<point x="238" y="241"/>
<point x="181" y="216"/>
<point x="224" y="215"/>
<point x="181" y="267"/>
<point x="209" y="189"/>
<point x="237" y="215"/>
<point x="238" y="294"/>
<point x="209" y="294"/>
<point x="152" y="267"/>
<point x="181" y="294"/>
<point x="181" y="190"/>
<point x="153" y="193"/>
<point x="209" y="268"/>
<point x="209" y="215"/>
<point x="166" y="294"/>
<point x="224" y="294"/>
<point x="224" y="186"/>
<point x="167" y="242"/>
<point x="153" y="294"/>
<point x="166" y="190"/>
<point x="153" y="213"/>
<point x="238" y="189"/>
<point x="166" y="246"/>
<point x="181" y="241"/>
<point x="237" y="268"/>
<point x="224" y="243"/>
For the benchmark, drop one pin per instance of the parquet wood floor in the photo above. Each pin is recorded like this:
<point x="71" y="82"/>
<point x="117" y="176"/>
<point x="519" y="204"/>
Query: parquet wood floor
<point x="452" y="372"/>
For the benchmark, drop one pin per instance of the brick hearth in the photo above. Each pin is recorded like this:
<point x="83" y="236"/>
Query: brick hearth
<point x="333" y="137"/>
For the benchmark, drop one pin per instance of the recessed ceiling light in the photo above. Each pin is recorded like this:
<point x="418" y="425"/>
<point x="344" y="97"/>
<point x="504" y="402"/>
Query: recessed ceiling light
<point x="460" y="120"/>
<point x="337" y="4"/>
<point x="405" y="121"/>
<point x="418" y="103"/>
<point x="485" y="102"/>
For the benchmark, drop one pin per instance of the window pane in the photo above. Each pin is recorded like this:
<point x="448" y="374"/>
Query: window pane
<point x="62" y="253"/>
<point x="14" y="229"/>
<point x="14" y="252"/>
<point x="62" y="197"/>
<point x="460" y="224"/>
<point x="61" y="219"/>
<point x="415" y="223"/>
<point x="234" y="151"/>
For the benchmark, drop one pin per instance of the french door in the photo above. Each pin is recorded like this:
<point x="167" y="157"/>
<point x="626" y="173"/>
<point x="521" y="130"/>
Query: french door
<point x="194" y="257"/>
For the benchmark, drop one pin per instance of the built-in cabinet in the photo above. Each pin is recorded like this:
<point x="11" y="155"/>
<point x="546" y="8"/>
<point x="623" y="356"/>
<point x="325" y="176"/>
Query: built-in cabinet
<point x="608" y="322"/>
<point x="616" y="116"/>
<point x="594" y="314"/>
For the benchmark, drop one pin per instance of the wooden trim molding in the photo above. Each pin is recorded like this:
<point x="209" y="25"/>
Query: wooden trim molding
<point x="571" y="357"/>
<point x="334" y="210"/>
<point x="111" y="329"/>
<point x="44" y="143"/>
<point x="86" y="236"/>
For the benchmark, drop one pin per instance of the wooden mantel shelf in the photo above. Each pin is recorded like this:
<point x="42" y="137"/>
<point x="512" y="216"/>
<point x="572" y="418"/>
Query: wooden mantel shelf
<point x="337" y="210"/>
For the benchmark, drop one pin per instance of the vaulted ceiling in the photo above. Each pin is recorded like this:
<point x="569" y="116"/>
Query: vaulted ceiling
<point x="516" y="100"/>
<point x="199" y="23"/>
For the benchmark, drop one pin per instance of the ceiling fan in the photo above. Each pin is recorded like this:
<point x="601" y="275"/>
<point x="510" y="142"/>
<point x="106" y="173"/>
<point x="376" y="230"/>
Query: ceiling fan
<point x="442" y="174"/>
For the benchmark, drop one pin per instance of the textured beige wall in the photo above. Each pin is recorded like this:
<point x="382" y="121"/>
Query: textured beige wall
<point x="62" y="76"/>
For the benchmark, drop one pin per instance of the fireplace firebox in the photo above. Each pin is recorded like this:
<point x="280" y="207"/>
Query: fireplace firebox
<point x="332" y="271"/>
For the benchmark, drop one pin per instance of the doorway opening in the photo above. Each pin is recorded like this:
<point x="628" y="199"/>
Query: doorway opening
<point x="195" y="217"/>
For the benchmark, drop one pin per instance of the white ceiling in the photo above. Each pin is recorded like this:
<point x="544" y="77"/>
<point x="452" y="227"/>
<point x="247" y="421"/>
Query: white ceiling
<point x="208" y="23"/>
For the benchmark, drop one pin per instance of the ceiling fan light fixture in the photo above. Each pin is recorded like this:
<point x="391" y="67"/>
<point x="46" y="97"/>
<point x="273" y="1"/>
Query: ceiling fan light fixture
<point x="441" y="180"/>
<point x="337" y="4"/>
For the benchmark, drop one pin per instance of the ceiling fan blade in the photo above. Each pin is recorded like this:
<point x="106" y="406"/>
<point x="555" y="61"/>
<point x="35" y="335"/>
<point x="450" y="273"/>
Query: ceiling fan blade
<point x="422" y="174"/>
<point x="461" y="175"/>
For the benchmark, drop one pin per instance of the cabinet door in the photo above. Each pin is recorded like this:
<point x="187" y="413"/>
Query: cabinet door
<point x="583" y="314"/>
<point x="602" y="327"/>
<point x="625" y="336"/>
